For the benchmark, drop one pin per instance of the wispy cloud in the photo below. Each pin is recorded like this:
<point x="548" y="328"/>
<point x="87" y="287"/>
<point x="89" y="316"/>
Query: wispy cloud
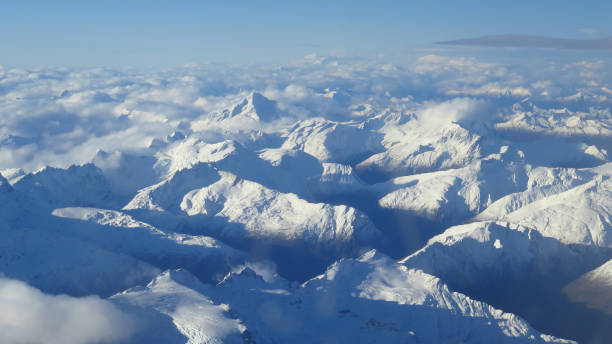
<point x="590" y="32"/>
<point x="529" y="41"/>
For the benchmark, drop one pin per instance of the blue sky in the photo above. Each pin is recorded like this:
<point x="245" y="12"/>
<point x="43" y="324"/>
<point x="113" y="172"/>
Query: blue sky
<point x="156" y="33"/>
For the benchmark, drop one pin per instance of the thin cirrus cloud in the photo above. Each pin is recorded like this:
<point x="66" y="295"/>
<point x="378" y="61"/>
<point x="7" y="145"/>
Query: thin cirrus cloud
<point x="590" y="32"/>
<point x="529" y="41"/>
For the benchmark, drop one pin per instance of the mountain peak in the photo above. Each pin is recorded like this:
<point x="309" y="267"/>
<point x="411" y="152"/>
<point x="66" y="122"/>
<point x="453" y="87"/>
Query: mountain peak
<point x="257" y="106"/>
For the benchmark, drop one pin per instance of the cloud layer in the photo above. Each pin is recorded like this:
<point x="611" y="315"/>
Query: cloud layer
<point x="29" y="316"/>
<point x="64" y="116"/>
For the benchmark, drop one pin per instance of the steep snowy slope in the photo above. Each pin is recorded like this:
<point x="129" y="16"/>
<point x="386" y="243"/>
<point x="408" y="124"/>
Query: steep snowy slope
<point x="167" y="194"/>
<point x="327" y="140"/>
<point x="369" y="299"/>
<point x="502" y="250"/>
<point x="260" y="218"/>
<point x="33" y="250"/>
<point x="249" y="209"/>
<point x="197" y="185"/>
<point x="542" y="182"/>
<point x="287" y="170"/>
<point x="410" y="149"/>
<point x="282" y="169"/>
<point x="337" y="179"/>
<point x="12" y="175"/>
<point x="529" y="118"/>
<point x="453" y="195"/>
<point x="519" y="270"/>
<point x="254" y="107"/>
<point x="580" y="215"/>
<point x="99" y="251"/>
<point x="205" y="257"/>
<point x="76" y="186"/>
<point x="58" y="264"/>
<point x="501" y="210"/>
<point x="594" y="288"/>
<point x="244" y="121"/>
<point x="176" y="295"/>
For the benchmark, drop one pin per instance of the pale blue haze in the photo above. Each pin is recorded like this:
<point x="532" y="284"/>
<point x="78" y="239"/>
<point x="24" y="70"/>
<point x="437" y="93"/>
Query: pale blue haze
<point x="156" y="33"/>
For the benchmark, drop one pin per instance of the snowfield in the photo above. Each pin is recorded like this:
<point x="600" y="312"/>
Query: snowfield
<point x="333" y="200"/>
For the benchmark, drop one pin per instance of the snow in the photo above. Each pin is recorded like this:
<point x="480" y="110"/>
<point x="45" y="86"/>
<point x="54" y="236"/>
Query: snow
<point x="410" y="150"/>
<point x="542" y="182"/>
<point x="370" y="298"/>
<point x="326" y="140"/>
<point x="466" y="250"/>
<point x="593" y="288"/>
<point x="59" y="264"/>
<point x="577" y="216"/>
<point x="78" y="185"/>
<point x="175" y="293"/>
<point x="328" y="200"/>
<point x="268" y="213"/>
<point x="528" y="117"/>
<point x="116" y="231"/>
<point x="456" y="194"/>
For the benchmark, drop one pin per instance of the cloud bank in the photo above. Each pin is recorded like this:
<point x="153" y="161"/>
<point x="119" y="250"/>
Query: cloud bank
<point x="29" y="316"/>
<point x="63" y="116"/>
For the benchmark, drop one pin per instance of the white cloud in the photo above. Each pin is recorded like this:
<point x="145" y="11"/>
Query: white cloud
<point x="435" y="115"/>
<point x="266" y="269"/>
<point x="435" y="64"/>
<point x="29" y="316"/>
<point x="60" y="117"/>
<point x="63" y="116"/>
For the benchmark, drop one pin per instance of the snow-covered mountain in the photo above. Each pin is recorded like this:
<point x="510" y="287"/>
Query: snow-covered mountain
<point x="326" y="140"/>
<point x="410" y="151"/>
<point x="327" y="201"/>
<point x="593" y="288"/>
<point x="371" y="298"/>
<point x="529" y="118"/>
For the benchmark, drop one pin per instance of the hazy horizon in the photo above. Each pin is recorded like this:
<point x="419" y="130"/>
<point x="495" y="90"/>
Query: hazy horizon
<point x="118" y="34"/>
